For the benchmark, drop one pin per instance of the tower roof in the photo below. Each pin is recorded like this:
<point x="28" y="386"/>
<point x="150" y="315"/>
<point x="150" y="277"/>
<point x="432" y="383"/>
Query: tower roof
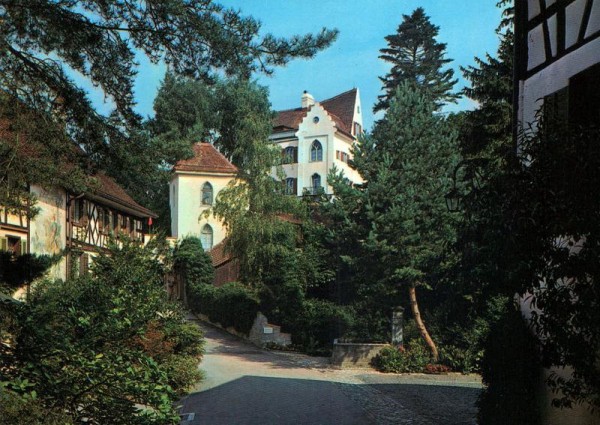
<point x="206" y="159"/>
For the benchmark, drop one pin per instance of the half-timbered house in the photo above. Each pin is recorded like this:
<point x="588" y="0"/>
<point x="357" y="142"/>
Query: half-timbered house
<point x="94" y="218"/>
<point x="558" y="71"/>
<point x="77" y="225"/>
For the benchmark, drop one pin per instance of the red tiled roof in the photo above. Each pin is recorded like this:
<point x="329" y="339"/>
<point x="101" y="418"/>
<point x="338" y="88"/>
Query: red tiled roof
<point x="340" y="108"/>
<point x="219" y="254"/>
<point x="206" y="159"/>
<point x="109" y="190"/>
<point x="289" y="119"/>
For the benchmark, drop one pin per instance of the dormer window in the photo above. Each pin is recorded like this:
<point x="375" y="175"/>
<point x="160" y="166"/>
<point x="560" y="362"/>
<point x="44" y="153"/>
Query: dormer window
<point x="207" y="194"/>
<point x="316" y="151"/>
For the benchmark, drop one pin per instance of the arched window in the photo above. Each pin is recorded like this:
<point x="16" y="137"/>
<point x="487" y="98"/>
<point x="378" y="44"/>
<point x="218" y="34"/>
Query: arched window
<point x="207" y="194"/>
<point x="290" y="155"/>
<point x="290" y="186"/>
<point x="316" y="151"/>
<point x="206" y="237"/>
<point x="316" y="183"/>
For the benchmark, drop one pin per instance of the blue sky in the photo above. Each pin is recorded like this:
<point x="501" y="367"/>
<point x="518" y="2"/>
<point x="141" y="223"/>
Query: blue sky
<point x="467" y="26"/>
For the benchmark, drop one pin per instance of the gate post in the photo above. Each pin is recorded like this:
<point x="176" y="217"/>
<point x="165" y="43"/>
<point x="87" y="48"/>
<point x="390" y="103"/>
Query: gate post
<point x="397" y="318"/>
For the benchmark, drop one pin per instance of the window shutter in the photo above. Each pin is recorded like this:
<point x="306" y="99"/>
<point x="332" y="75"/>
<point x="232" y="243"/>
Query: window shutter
<point x="23" y="246"/>
<point x="295" y="186"/>
<point x="84" y="263"/>
<point x="295" y="155"/>
<point x="3" y="244"/>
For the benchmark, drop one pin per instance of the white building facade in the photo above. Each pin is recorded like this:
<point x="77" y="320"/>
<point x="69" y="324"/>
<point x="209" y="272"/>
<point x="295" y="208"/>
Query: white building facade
<point x="194" y="186"/>
<point x="316" y="137"/>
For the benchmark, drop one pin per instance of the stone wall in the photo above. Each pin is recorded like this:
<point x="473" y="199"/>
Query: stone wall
<point x="354" y="355"/>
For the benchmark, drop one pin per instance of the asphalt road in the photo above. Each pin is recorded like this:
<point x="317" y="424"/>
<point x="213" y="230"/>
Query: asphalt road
<point x="248" y="385"/>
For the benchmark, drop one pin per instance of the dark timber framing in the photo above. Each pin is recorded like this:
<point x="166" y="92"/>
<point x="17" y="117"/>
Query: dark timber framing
<point x="557" y="9"/>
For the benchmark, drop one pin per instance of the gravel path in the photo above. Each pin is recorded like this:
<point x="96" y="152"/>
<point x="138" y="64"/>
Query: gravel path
<point x="247" y="385"/>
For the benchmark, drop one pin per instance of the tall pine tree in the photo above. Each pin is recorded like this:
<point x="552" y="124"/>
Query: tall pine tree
<point x="417" y="57"/>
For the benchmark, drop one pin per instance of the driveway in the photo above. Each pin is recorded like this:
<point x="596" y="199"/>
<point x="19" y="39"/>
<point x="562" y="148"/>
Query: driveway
<point x="247" y="385"/>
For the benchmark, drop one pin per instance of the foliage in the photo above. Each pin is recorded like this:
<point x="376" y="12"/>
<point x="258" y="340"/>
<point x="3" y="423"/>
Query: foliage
<point x="416" y="58"/>
<point x="33" y="150"/>
<point x="101" y="346"/>
<point x="231" y="305"/>
<point x="52" y="49"/>
<point x="557" y="250"/>
<point x="15" y="404"/>
<point x="317" y="324"/>
<point x="400" y="217"/>
<point x="414" y="357"/>
<point x="16" y="271"/>
<point x="192" y="263"/>
<point x="511" y="371"/>
<point x="244" y="127"/>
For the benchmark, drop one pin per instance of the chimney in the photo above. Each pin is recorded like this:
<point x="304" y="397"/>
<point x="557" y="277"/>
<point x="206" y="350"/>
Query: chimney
<point x="307" y="99"/>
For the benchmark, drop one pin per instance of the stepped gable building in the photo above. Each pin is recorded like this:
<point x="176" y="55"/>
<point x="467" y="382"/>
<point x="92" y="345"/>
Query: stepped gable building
<point x="195" y="184"/>
<point x="315" y="137"/>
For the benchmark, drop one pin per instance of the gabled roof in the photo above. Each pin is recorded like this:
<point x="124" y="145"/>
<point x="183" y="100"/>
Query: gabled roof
<point x="206" y="159"/>
<point x="219" y="254"/>
<point x="108" y="190"/>
<point x="104" y="189"/>
<point x="340" y="108"/>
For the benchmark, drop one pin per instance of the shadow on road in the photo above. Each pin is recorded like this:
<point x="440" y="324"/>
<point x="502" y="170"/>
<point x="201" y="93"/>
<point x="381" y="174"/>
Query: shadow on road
<point x="256" y="400"/>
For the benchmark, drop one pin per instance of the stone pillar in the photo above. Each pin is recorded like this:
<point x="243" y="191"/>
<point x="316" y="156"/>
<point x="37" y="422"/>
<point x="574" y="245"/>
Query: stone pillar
<point x="397" y="318"/>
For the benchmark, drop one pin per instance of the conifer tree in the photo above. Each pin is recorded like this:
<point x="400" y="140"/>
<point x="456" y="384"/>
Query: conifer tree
<point x="407" y="165"/>
<point x="417" y="57"/>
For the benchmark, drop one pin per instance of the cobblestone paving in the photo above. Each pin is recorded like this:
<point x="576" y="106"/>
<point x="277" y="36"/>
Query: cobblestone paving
<point x="247" y="385"/>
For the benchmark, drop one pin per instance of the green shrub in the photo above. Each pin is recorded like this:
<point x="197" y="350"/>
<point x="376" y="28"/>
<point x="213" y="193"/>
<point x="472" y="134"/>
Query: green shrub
<point x="318" y="324"/>
<point x="232" y="304"/>
<point x="414" y="357"/>
<point x="464" y="360"/>
<point x="183" y="373"/>
<point x="192" y="263"/>
<point x="511" y="372"/>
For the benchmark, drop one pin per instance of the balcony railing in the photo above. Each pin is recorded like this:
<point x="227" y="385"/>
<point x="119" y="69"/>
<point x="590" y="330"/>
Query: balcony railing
<point x="313" y="190"/>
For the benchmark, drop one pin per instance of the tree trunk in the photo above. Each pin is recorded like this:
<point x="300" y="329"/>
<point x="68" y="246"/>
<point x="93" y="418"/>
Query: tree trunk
<point x="412" y="293"/>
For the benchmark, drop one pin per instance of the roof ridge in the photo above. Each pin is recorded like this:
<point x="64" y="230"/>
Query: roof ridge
<point x="339" y="95"/>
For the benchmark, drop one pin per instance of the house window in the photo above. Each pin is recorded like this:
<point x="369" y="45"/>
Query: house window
<point x="78" y="211"/>
<point x="315" y="184"/>
<point x="206" y="237"/>
<point x="316" y="151"/>
<point x="207" y="194"/>
<point x="13" y="245"/>
<point x="107" y="220"/>
<point x="290" y="155"/>
<point x="357" y="129"/>
<point x="290" y="186"/>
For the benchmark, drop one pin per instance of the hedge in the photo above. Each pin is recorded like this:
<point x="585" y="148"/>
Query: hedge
<point x="231" y="305"/>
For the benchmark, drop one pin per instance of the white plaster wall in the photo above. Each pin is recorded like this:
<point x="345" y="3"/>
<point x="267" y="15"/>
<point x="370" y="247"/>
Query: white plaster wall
<point x="555" y="77"/>
<point x="187" y="215"/>
<point x="48" y="233"/>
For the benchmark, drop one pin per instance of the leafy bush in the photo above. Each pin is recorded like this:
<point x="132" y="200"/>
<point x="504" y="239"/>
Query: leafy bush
<point x="232" y="304"/>
<point x="511" y="371"/>
<point x="192" y="263"/>
<point x="318" y="324"/>
<point x="97" y="347"/>
<point x="412" y="358"/>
